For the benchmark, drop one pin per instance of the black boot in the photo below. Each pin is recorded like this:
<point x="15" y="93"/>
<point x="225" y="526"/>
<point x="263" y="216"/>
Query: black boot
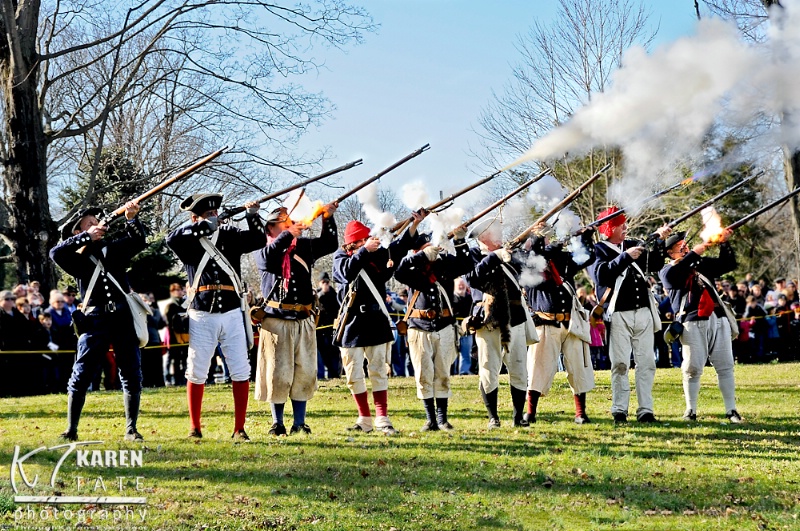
<point x="490" y="401"/>
<point x="75" y="401"/>
<point x="430" y="414"/>
<point x="518" y="400"/>
<point x="441" y="414"/>
<point x="131" y="401"/>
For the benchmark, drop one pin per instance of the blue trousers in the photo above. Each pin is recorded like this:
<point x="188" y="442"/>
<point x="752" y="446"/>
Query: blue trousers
<point x="106" y="329"/>
<point x="464" y="364"/>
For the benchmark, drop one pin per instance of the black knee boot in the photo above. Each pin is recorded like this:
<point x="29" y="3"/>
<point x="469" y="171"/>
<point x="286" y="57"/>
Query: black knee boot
<point x="430" y="414"/>
<point x="490" y="401"/>
<point x="75" y="401"/>
<point x="131" y="401"/>
<point x="518" y="400"/>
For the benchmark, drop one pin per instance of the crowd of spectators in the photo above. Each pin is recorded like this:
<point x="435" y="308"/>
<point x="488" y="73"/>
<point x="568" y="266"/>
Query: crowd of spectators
<point x="37" y="339"/>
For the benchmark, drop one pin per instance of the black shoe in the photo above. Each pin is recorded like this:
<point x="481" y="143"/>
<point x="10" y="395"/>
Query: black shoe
<point x="429" y="426"/>
<point x="647" y="418"/>
<point x="620" y="418"/>
<point x="358" y="427"/>
<point x="277" y="430"/>
<point x="240" y="436"/>
<point x="734" y="417"/>
<point x="690" y="415"/>
<point x="446" y="426"/>
<point x="530" y="418"/>
<point x="301" y="428"/>
<point x="69" y="435"/>
<point x="195" y="434"/>
<point x="582" y="419"/>
<point x="494" y="423"/>
<point x="521" y="423"/>
<point x="133" y="436"/>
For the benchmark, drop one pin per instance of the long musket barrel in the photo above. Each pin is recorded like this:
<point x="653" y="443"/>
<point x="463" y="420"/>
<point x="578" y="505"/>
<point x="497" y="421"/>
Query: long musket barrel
<point x="400" y="226"/>
<point x="499" y="202"/>
<point x="735" y="225"/>
<point x="369" y="181"/>
<point x="710" y="202"/>
<point x="653" y="197"/>
<point x="238" y="210"/>
<point x="516" y="242"/>
<point x="159" y="187"/>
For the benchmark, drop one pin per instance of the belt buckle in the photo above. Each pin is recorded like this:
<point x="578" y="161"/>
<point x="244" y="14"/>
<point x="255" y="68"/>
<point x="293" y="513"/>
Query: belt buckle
<point x="111" y="307"/>
<point x="431" y="314"/>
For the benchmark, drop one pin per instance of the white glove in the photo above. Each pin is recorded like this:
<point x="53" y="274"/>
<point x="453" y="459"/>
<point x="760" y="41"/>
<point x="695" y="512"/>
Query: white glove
<point x="252" y="210"/>
<point x="432" y="252"/>
<point x="460" y="232"/>
<point x="52" y="346"/>
<point x="504" y="255"/>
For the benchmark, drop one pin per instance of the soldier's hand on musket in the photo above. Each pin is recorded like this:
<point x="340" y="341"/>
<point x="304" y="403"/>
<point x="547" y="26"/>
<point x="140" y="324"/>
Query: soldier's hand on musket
<point x="503" y="254"/>
<point x="664" y="232"/>
<point x="372" y="244"/>
<point x="252" y="207"/>
<point x="295" y="229"/>
<point x="635" y="252"/>
<point x="418" y="216"/>
<point x="329" y="209"/>
<point x="460" y="232"/>
<point x="96" y="232"/>
<point x="540" y="228"/>
<point x="700" y="248"/>
<point x="726" y="234"/>
<point x="131" y="209"/>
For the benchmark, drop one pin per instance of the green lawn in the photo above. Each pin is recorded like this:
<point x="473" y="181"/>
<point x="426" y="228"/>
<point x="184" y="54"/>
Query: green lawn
<point x="556" y="475"/>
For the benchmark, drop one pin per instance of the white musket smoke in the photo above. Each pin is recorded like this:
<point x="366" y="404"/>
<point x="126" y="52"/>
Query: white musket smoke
<point x="380" y="220"/>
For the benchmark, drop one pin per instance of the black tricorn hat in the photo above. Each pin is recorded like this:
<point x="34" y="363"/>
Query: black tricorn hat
<point x="674" y="238"/>
<point x="421" y="239"/>
<point x="324" y="276"/>
<point x="278" y="215"/>
<point x="199" y="204"/>
<point x="74" y="222"/>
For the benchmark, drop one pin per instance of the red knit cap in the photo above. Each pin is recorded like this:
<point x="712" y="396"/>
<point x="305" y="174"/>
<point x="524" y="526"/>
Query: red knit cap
<point x="354" y="231"/>
<point x="608" y="227"/>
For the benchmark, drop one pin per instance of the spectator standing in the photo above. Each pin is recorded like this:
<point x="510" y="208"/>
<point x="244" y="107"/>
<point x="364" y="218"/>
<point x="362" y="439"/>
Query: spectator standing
<point x="328" y="310"/>
<point x="62" y="330"/>
<point x="462" y="306"/>
<point x="755" y="313"/>
<point x="152" y="366"/>
<point x="178" y="334"/>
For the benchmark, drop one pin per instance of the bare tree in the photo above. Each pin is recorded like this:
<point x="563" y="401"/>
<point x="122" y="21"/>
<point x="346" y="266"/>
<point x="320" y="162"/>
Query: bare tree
<point x="164" y="79"/>
<point x="562" y="64"/>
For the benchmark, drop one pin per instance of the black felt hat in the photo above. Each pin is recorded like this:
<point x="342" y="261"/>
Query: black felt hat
<point x="674" y="238"/>
<point x="199" y="204"/>
<point x="421" y="239"/>
<point x="324" y="276"/>
<point x="74" y="222"/>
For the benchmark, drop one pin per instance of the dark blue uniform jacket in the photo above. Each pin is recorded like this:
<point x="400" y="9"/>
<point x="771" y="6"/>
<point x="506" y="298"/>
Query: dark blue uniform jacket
<point x="548" y="296"/>
<point x="421" y="275"/>
<point x="300" y="290"/>
<point x="232" y="243"/>
<point x="116" y="260"/>
<point x="487" y="276"/>
<point x="609" y="264"/>
<point x="679" y="279"/>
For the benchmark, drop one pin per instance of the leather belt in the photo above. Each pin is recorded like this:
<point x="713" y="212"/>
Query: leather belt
<point x="215" y="287"/>
<point x="428" y="314"/>
<point x="560" y="317"/>
<point x="291" y="307"/>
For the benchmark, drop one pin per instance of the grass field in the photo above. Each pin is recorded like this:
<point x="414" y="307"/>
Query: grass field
<point x="556" y="475"/>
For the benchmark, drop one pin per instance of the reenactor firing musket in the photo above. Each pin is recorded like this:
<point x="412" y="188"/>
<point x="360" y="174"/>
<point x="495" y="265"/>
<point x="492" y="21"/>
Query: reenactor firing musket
<point x="708" y="203"/>
<point x="499" y="202"/>
<point x="238" y="210"/>
<point x="378" y="175"/>
<point x="516" y="242"/>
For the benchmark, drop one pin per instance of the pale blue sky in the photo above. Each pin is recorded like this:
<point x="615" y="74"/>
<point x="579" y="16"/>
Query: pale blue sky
<point x="424" y="78"/>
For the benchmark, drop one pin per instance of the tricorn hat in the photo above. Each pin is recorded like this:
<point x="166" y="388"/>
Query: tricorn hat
<point x="74" y="222"/>
<point x="278" y="215"/>
<point x="199" y="204"/>
<point x="674" y="238"/>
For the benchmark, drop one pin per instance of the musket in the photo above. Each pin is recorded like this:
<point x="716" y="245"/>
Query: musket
<point x="112" y="216"/>
<point x="238" y="210"/>
<point x="499" y="202"/>
<point x="444" y="203"/>
<point x="377" y="176"/>
<point x="735" y="225"/>
<point x="660" y="193"/>
<point x="516" y="242"/>
<point x="711" y="201"/>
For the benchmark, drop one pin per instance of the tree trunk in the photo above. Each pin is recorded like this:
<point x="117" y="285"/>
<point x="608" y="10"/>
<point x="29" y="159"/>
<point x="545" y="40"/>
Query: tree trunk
<point x="30" y="229"/>
<point x="791" y="165"/>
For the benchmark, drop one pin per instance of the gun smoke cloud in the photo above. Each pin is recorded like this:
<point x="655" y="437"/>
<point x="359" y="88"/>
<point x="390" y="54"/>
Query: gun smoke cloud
<point x="660" y="106"/>
<point x="380" y="220"/>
